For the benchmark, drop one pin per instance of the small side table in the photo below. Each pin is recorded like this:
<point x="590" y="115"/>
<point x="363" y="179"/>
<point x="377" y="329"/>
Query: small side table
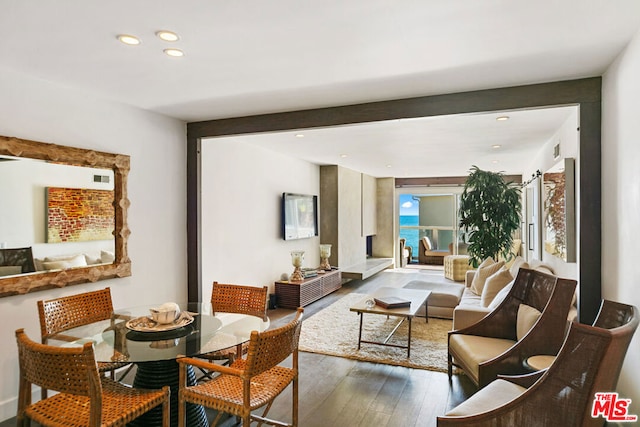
<point x="540" y="362"/>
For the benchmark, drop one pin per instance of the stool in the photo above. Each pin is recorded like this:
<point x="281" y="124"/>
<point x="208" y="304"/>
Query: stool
<point x="456" y="266"/>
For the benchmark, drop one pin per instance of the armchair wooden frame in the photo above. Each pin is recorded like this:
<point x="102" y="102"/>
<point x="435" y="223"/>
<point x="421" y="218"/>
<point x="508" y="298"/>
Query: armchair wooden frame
<point x="548" y="294"/>
<point x="251" y="383"/>
<point x="589" y="362"/>
<point x="61" y="314"/>
<point x="85" y="398"/>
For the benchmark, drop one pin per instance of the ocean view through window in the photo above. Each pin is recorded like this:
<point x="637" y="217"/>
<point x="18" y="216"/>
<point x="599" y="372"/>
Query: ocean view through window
<point x="431" y="215"/>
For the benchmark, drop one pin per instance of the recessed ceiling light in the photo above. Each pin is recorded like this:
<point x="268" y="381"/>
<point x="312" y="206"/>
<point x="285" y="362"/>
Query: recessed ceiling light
<point x="344" y="155"/>
<point x="388" y="166"/>
<point x="495" y="161"/>
<point x="168" y="36"/>
<point x="128" y="39"/>
<point x="299" y="135"/>
<point x="174" y="52"/>
<point x="502" y="118"/>
<point x="496" y="146"/>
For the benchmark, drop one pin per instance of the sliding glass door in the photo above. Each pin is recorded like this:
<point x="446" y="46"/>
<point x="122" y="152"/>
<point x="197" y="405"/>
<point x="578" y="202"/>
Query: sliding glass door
<point x="431" y="215"/>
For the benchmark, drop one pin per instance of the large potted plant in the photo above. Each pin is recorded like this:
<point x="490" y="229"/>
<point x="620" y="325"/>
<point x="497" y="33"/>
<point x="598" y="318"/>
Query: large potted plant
<point x="490" y="212"/>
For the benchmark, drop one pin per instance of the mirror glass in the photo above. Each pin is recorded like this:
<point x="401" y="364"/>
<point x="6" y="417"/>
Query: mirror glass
<point x="64" y="220"/>
<point x="559" y="210"/>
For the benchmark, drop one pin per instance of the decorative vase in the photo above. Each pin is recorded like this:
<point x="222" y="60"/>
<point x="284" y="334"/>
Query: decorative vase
<point x="325" y="253"/>
<point x="296" y="259"/>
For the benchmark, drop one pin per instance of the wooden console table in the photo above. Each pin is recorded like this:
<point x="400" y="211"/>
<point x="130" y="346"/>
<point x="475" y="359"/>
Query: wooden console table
<point x="298" y="294"/>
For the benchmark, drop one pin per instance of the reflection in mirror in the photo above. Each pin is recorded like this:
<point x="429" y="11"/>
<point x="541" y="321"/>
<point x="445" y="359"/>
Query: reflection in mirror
<point x="66" y="211"/>
<point x="559" y="210"/>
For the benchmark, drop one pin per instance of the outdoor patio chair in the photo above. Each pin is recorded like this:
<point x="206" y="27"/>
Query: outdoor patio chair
<point x="85" y="397"/>
<point x="531" y="320"/>
<point x="251" y="383"/>
<point x="62" y="314"/>
<point x="563" y="395"/>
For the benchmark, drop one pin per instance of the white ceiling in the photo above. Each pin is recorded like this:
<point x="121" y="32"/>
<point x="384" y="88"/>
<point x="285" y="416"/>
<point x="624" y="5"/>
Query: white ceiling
<point x="255" y="56"/>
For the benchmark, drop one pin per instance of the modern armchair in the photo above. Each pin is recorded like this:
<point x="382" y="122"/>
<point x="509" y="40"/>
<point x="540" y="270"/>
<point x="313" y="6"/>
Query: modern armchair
<point x="429" y="254"/>
<point x="531" y="320"/>
<point x="589" y="362"/>
<point x="406" y="252"/>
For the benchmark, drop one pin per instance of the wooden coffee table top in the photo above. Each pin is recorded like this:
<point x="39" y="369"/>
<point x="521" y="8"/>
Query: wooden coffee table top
<point x="416" y="296"/>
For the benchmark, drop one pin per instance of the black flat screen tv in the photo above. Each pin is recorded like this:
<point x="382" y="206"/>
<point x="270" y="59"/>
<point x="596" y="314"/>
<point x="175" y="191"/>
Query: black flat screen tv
<point x="299" y="216"/>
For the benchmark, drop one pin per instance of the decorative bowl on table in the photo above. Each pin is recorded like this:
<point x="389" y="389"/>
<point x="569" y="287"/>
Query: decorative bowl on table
<point x="167" y="313"/>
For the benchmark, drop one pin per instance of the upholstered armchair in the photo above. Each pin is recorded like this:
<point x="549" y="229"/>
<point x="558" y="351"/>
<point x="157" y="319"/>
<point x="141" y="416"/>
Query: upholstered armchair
<point x="429" y="254"/>
<point x="589" y="362"/>
<point x="406" y="252"/>
<point x="531" y="320"/>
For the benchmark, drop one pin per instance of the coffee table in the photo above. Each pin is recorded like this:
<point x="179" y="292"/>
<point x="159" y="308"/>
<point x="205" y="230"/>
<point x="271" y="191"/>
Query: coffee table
<point x="418" y="299"/>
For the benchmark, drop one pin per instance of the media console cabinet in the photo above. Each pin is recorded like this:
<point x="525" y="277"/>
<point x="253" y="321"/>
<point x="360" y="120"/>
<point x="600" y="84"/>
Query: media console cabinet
<point x="298" y="294"/>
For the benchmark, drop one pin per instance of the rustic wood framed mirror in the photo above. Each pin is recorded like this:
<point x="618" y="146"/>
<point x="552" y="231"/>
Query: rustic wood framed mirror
<point x="47" y="269"/>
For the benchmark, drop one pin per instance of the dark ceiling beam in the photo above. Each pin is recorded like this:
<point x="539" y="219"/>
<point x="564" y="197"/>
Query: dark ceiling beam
<point x="584" y="93"/>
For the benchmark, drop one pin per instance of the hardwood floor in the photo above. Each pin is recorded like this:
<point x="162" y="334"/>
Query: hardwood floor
<point x="342" y="392"/>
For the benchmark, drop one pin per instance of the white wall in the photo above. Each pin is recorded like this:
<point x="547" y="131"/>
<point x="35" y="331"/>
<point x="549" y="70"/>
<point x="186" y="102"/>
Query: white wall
<point x="242" y="187"/>
<point x="621" y="198"/>
<point x="37" y="110"/>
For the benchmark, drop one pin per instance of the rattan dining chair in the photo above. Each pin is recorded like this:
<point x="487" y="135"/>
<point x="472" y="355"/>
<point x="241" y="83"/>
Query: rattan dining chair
<point x="230" y="298"/>
<point x="61" y="314"/>
<point x="84" y="398"/>
<point x="251" y="383"/>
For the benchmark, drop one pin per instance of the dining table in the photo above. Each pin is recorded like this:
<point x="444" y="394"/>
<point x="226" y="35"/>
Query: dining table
<point x="132" y="336"/>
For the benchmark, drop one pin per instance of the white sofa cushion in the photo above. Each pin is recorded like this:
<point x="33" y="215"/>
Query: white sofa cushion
<point x="527" y="317"/>
<point x="495" y="394"/>
<point x="76" y="261"/>
<point x="482" y="274"/>
<point x="500" y="296"/>
<point x="494" y="284"/>
<point x="471" y="350"/>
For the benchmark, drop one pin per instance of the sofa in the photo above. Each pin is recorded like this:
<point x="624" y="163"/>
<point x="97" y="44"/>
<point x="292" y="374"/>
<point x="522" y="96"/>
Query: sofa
<point x="473" y="305"/>
<point x="457" y="301"/>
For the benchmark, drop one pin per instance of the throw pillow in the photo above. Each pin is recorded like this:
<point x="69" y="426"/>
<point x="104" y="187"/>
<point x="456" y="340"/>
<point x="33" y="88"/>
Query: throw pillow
<point x="427" y="243"/>
<point x="77" y="261"/>
<point x="107" y="257"/>
<point x="494" y="284"/>
<point x="482" y="274"/>
<point x="497" y="300"/>
<point x="527" y="317"/>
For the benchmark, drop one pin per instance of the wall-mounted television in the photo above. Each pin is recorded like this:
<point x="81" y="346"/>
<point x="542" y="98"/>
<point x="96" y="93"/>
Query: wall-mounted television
<point x="299" y="216"/>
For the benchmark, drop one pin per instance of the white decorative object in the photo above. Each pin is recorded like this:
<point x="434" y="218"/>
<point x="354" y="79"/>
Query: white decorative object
<point x="325" y="253"/>
<point x="296" y="259"/>
<point x="166" y="313"/>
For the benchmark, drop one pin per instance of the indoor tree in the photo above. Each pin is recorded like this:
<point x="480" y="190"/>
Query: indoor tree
<point x="490" y="212"/>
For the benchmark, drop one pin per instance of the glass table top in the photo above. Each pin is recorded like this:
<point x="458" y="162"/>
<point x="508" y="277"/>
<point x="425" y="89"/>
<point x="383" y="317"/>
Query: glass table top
<point x="115" y="342"/>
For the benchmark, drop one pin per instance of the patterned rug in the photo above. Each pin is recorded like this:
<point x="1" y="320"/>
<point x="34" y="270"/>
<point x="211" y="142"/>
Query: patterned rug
<point x="334" y="331"/>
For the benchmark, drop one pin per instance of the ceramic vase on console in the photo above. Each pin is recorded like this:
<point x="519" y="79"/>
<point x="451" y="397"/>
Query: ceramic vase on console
<point x="325" y="253"/>
<point x="296" y="259"/>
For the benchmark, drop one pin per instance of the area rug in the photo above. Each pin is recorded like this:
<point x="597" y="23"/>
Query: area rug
<point x="334" y="331"/>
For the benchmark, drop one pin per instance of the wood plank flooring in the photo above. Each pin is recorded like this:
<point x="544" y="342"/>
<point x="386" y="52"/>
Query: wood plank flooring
<point x="341" y="392"/>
